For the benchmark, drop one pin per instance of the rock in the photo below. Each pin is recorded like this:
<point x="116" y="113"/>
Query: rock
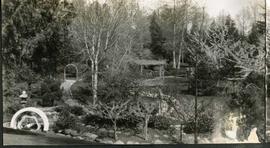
<point x="74" y="133"/>
<point x="119" y="142"/>
<point x="59" y="134"/>
<point x="253" y="137"/>
<point x="6" y="124"/>
<point x="110" y="131"/>
<point x="143" y="143"/>
<point x="50" y="132"/>
<point x="60" y="131"/>
<point x="91" y="136"/>
<point x="127" y="133"/>
<point x="166" y="136"/>
<point x="130" y="142"/>
<point x="107" y="141"/>
<point x="158" y="142"/>
<point x="89" y="126"/>
<point x="156" y="136"/>
<point x="67" y="131"/>
<point x="79" y="137"/>
<point x="102" y="132"/>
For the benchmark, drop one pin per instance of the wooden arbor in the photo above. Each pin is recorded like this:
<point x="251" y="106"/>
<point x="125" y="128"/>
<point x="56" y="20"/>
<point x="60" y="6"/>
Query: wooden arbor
<point x="71" y="65"/>
<point x="160" y="63"/>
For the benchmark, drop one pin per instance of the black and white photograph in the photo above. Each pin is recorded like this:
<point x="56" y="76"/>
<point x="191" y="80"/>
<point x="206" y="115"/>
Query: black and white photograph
<point x="135" y="72"/>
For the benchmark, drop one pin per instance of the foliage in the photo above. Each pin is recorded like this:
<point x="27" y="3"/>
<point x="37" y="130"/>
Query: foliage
<point x="50" y="91"/>
<point x="118" y="88"/>
<point x="81" y="91"/>
<point x="34" y="31"/>
<point x="130" y="121"/>
<point x="160" y="122"/>
<point x="205" y="124"/>
<point x="205" y="120"/>
<point x="248" y="99"/>
<point x="207" y="78"/>
<point x="157" y="39"/>
<point x="65" y="120"/>
<point x="13" y="108"/>
<point x="77" y="110"/>
<point x="144" y="110"/>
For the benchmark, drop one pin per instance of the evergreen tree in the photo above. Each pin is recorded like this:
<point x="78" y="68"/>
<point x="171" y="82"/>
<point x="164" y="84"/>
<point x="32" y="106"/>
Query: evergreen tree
<point x="157" y="39"/>
<point x="257" y="30"/>
<point x="231" y="28"/>
<point x="34" y="33"/>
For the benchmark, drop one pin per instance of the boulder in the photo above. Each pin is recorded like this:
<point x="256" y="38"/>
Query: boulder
<point x="158" y="142"/>
<point x="74" y="133"/>
<point x="131" y="142"/>
<point x="89" y="126"/>
<point x="107" y="141"/>
<point x="79" y="137"/>
<point x="111" y="131"/>
<point x="90" y="136"/>
<point x="6" y="124"/>
<point x="59" y="134"/>
<point x="166" y="136"/>
<point x="67" y="131"/>
<point x="119" y="142"/>
<point x="102" y="132"/>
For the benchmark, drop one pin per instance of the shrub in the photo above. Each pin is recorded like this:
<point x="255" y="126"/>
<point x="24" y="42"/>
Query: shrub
<point x="160" y="122"/>
<point x="13" y="108"/>
<point x="76" y="110"/>
<point x="50" y="91"/>
<point x="129" y="121"/>
<point x="95" y="120"/>
<point x="81" y="91"/>
<point x="205" y="124"/>
<point x="65" y="121"/>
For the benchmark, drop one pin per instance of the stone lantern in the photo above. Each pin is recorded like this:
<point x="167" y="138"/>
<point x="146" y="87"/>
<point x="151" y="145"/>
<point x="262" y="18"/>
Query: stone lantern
<point x="23" y="97"/>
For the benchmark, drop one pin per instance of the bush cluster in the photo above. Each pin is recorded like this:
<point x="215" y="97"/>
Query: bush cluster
<point x="205" y="124"/>
<point x="129" y="121"/>
<point x="81" y="91"/>
<point x="76" y="110"/>
<point x="159" y="122"/>
<point x="65" y="121"/>
<point x="50" y="91"/>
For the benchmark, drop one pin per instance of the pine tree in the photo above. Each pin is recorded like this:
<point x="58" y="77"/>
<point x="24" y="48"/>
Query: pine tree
<point x="231" y="28"/>
<point x="157" y="39"/>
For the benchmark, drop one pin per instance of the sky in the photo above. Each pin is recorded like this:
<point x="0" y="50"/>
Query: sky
<point x="213" y="7"/>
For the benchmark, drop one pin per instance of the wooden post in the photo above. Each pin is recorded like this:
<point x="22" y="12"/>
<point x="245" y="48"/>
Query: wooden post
<point x="160" y="71"/>
<point x="181" y="133"/>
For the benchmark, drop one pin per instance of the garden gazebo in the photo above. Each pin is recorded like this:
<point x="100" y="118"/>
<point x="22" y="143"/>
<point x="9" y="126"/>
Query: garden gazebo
<point x="159" y="63"/>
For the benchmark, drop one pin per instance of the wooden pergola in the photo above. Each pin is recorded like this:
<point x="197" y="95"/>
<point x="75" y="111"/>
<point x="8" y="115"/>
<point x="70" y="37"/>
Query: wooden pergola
<point x="160" y="63"/>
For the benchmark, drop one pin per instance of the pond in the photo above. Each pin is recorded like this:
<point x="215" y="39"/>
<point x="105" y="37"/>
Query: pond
<point x="18" y="137"/>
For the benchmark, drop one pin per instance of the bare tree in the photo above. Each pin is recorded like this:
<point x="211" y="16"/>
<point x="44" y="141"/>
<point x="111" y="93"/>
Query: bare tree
<point x="95" y="31"/>
<point x="144" y="109"/>
<point x="114" y="110"/>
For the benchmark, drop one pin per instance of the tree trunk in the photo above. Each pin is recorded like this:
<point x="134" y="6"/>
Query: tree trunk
<point x="265" y="92"/>
<point x="114" y="130"/>
<point x="179" y="57"/>
<point x="174" y="61"/>
<point x="92" y="78"/>
<point x="146" y="127"/>
<point x="95" y="81"/>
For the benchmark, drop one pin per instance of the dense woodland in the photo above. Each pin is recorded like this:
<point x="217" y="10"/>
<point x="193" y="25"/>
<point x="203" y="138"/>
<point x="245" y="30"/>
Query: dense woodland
<point x="225" y="54"/>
